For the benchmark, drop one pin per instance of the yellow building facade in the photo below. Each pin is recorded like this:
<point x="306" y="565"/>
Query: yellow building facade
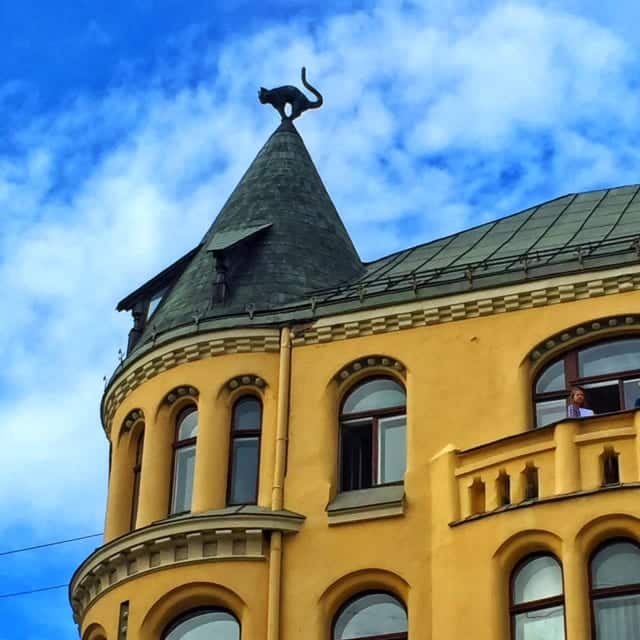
<point x="386" y="455"/>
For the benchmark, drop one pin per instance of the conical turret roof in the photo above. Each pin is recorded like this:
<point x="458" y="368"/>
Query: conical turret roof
<point x="277" y="238"/>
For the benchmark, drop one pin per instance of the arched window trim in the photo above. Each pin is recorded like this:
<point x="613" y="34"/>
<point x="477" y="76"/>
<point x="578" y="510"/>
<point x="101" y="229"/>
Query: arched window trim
<point x="239" y="436"/>
<point x="572" y="377"/>
<point x="137" y="472"/>
<point x="177" y="445"/>
<point x="534" y="605"/>
<point x="197" y="611"/>
<point x="388" y="412"/>
<point x="362" y="594"/>
<point x="608" y="592"/>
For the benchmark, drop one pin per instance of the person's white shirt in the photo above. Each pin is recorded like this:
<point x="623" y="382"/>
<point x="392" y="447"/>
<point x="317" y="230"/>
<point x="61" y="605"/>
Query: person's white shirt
<point x="582" y="412"/>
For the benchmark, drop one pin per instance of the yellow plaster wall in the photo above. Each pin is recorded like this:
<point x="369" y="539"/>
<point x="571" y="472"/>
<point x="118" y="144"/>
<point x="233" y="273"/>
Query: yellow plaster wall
<point x="468" y="383"/>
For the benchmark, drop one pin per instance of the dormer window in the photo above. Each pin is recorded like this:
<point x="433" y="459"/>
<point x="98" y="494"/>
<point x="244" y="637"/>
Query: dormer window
<point x="155" y="302"/>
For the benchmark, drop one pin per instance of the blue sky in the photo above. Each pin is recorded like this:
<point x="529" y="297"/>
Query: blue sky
<point x="125" y="125"/>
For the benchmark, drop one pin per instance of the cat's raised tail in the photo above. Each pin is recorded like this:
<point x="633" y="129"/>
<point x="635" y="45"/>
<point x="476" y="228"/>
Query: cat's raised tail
<point x="313" y="104"/>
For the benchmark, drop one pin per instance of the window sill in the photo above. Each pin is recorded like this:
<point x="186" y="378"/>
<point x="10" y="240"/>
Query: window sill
<point x="366" y="504"/>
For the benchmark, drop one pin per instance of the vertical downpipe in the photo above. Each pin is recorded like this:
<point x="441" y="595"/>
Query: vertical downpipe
<point x="277" y="493"/>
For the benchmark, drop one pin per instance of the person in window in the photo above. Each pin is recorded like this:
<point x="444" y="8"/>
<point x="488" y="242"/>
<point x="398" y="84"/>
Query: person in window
<point x="575" y="408"/>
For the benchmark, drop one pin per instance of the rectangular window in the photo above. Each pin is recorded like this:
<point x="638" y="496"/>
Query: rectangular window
<point x="539" y="624"/>
<point x="550" y="411"/>
<point x="632" y="394"/>
<point x="357" y="454"/>
<point x="183" y="479"/>
<point x="244" y="479"/>
<point x="603" y="397"/>
<point x="392" y="449"/>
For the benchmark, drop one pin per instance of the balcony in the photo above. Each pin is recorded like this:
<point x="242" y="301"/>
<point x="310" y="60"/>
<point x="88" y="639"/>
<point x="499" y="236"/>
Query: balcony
<point x="568" y="459"/>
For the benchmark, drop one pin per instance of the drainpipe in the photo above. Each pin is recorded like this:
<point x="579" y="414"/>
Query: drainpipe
<point x="277" y="492"/>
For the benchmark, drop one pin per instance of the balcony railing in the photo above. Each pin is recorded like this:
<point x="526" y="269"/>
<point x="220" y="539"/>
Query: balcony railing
<point x="567" y="458"/>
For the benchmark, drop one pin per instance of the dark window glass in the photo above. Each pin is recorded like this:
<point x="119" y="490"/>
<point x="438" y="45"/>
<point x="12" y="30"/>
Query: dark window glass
<point x="374" y="615"/>
<point x="373" y="424"/>
<point x="537" y="601"/>
<point x="244" y="462"/>
<point x="184" y="460"/>
<point x="357" y="458"/>
<point x="137" y="469"/>
<point x="615" y="591"/>
<point x="244" y="454"/>
<point x="204" y="625"/>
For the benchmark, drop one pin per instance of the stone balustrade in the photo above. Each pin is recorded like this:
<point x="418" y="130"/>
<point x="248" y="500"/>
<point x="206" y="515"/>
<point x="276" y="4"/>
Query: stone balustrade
<point x="571" y="457"/>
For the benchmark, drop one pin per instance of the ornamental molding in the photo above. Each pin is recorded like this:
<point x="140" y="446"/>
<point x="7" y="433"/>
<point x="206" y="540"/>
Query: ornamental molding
<point x="247" y="380"/>
<point x="134" y="416"/>
<point x="585" y="330"/>
<point x="180" y="352"/>
<point x="208" y="538"/>
<point x="473" y="304"/>
<point x="370" y="362"/>
<point x="183" y="391"/>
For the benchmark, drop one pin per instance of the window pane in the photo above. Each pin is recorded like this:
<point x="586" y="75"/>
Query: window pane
<point x="615" y="565"/>
<point x="617" y="618"/>
<point x="183" y="479"/>
<point x="154" y="302"/>
<point x="356" y="452"/>
<point x="552" y="379"/>
<point x="543" y="624"/>
<point x="380" y="393"/>
<point x="537" y="579"/>
<point x="550" y="411"/>
<point x="392" y="449"/>
<point x="610" y="357"/>
<point x="188" y="425"/>
<point x="371" y="615"/>
<point x="247" y="414"/>
<point x="632" y="394"/>
<point x="602" y="397"/>
<point x="244" y="471"/>
<point x="212" y="624"/>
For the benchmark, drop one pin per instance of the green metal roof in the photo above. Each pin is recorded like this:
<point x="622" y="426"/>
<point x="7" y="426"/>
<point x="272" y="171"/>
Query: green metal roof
<point x="290" y="258"/>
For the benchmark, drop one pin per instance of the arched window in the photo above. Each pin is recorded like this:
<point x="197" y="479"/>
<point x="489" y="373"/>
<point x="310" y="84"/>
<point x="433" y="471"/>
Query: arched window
<point x="244" y="452"/>
<point x="371" y="616"/>
<point x="537" y="599"/>
<point x="373" y="434"/>
<point x="184" y="458"/>
<point x="609" y="373"/>
<point x="204" y="623"/>
<point x="137" y="469"/>
<point x="615" y="590"/>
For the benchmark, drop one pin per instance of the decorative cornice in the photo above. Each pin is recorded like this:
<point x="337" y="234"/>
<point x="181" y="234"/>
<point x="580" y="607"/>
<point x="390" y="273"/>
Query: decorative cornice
<point x="589" y="329"/>
<point x="470" y="305"/>
<point x="228" y="533"/>
<point x="181" y="352"/>
<point x="370" y="362"/>
<point x="248" y="380"/>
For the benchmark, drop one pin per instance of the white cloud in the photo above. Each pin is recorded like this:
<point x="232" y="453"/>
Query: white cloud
<point x="427" y="110"/>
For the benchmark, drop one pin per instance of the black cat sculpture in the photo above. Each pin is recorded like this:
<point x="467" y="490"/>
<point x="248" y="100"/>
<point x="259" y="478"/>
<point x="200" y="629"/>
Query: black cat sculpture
<point x="281" y="96"/>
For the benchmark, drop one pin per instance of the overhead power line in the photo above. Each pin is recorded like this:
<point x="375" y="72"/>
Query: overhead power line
<point x="49" y="544"/>
<point x="26" y="593"/>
